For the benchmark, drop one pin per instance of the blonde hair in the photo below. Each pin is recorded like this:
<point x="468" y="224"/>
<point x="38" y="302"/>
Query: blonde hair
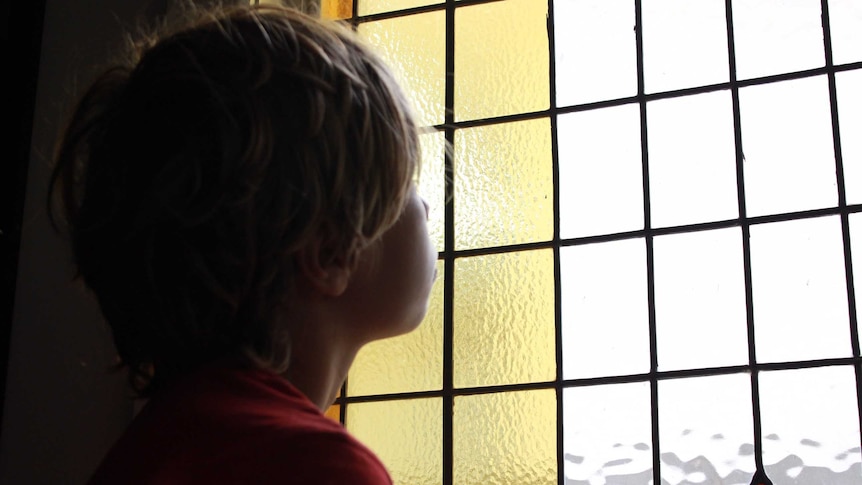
<point x="192" y="175"/>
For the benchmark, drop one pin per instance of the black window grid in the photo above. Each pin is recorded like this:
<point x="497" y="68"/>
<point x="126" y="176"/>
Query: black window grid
<point x="449" y="254"/>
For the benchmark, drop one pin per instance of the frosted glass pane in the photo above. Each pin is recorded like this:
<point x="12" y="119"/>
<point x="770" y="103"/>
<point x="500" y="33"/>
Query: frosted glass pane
<point x="432" y="184"/>
<point x="505" y="438"/>
<point x="775" y="36"/>
<point x="787" y="143"/>
<point x="700" y="300"/>
<point x="856" y="251"/>
<point x="700" y="59"/>
<point x="848" y="86"/>
<point x="811" y="426"/>
<point x="333" y="412"/>
<point x="585" y="73"/>
<point x="503" y="184"/>
<point x="799" y="290"/>
<point x="329" y="9"/>
<point x="504" y="319"/>
<point x="369" y="7"/>
<point x="607" y="435"/>
<point x="692" y="160"/>
<point x="501" y="59"/>
<point x="604" y="309"/>
<point x="845" y="25"/>
<point x="406" y="435"/>
<point x="601" y="174"/>
<point x="415" y="48"/>
<point x="706" y="430"/>
<point x="411" y="362"/>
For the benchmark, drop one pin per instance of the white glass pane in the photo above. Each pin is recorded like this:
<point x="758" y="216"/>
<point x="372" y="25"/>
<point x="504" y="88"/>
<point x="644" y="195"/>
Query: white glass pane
<point x="692" y="160"/>
<point x="700" y="300"/>
<point x="776" y="36"/>
<point x="586" y="73"/>
<point x="811" y="426"/>
<point x="787" y="143"/>
<point x="856" y="250"/>
<point x="848" y="86"/>
<point x="706" y="431"/>
<point x="845" y="25"/>
<point x="700" y="59"/>
<point x="607" y="436"/>
<point x="601" y="174"/>
<point x="604" y="309"/>
<point x="799" y="290"/>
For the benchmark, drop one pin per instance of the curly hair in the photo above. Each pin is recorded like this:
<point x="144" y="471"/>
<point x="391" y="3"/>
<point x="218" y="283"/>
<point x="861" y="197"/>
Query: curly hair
<point x="191" y="176"/>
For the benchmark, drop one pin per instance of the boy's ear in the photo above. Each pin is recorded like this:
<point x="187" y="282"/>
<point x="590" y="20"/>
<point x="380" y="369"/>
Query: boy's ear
<point x="327" y="273"/>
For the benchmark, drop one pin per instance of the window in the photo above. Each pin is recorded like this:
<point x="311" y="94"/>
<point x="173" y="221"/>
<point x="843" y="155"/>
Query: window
<point x="647" y="229"/>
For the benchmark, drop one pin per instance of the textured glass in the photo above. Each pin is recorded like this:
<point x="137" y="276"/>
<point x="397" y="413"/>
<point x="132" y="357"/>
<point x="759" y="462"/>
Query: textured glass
<point x="369" y="7"/>
<point x="787" y="143"/>
<point x="700" y="59"/>
<point x="799" y="290"/>
<point x="706" y="430"/>
<point x="411" y="362"/>
<point x="811" y="426"/>
<point x="406" y="435"/>
<point x="845" y="25"/>
<point x="415" y="48"/>
<point x="505" y="439"/>
<point x="692" y="160"/>
<point x="333" y="412"/>
<point x="700" y="300"/>
<point x="501" y="59"/>
<point x="432" y="184"/>
<point x="601" y="174"/>
<point x="585" y="73"/>
<point x="604" y="309"/>
<point x="776" y="36"/>
<point x="856" y="250"/>
<point x="607" y="435"/>
<point x="503" y="184"/>
<point x="848" y="86"/>
<point x="329" y="9"/>
<point x="504" y="319"/>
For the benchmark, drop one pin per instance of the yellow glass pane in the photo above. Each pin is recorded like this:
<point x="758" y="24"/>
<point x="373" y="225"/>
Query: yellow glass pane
<point x="406" y="435"/>
<point x="412" y="362"/>
<point x="432" y="183"/>
<point x="503" y="184"/>
<point x="368" y="7"/>
<point x="414" y="47"/>
<point x="336" y="9"/>
<point x="501" y="59"/>
<point x="504" y="319"/>
<point x="505" y="438"/>
<point x="333" y="412"/>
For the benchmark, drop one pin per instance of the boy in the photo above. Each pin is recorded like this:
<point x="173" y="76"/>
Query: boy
<point x="240" y="202"/>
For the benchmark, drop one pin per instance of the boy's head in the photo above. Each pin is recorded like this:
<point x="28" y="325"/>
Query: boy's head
<point x="193" y="176"/>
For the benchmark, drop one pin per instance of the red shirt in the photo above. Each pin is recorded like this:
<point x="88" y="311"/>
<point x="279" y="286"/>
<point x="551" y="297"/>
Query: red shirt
<point x="230" y="425"/>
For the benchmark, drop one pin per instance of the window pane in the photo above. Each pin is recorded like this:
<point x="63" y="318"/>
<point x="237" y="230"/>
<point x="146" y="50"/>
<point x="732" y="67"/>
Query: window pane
<point x="329" y="9"/>
<point x="848" y="86"/>
<point x="504" y="319"/>
<point x="692" y="160"/>
<point x="412" y="362"/>
<point x="787" y="143"/>
<point x="706" y="430"/>
<point x="505" y="438"/>
<point x="811" y="426"/>
<point x="415" y="48"/>
<point x="503" y="184"/>
<point x="406" y="435"/>
<point x="700" y="300"/>
<point x="368" y="7"/>
<point x="585" y="73"/>
<point x="775" y="36"/>
<point x="700" y="59"/>
<point x="604" y="309"/>
<point x="432" y="184"/>
<point x="501" y="59"/>
<point x="799" y="290"/>
<point x="845" y="25"/>
<point x="601" y="174"/>
<point x="607" y="435"/>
